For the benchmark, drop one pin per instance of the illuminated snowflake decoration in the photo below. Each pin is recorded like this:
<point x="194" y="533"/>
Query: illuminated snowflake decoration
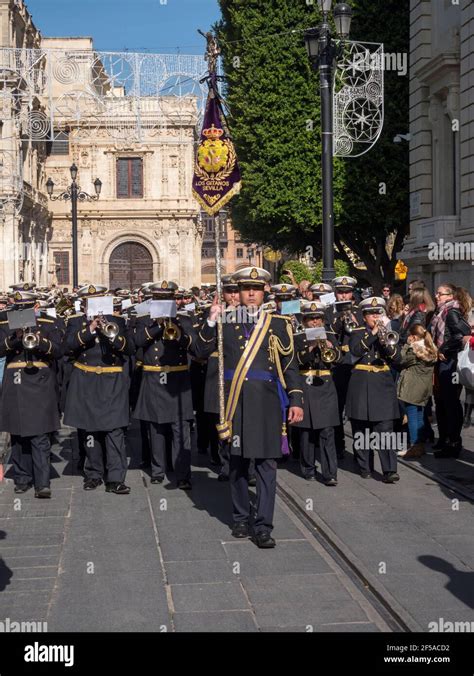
<point x="358" y="99"/>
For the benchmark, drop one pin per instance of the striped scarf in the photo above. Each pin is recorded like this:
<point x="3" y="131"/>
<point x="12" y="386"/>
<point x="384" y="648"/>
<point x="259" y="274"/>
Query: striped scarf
<point x="438" y="323"/>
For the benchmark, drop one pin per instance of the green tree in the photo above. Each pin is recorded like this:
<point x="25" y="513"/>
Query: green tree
<point x="273" y="100"/>
<point x="274" y="118"/>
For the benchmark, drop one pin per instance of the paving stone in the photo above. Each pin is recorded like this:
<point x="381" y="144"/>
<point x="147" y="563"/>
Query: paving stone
<point x="208" y="597"/>
<point x="290" y="558"/>
<point x="236" y="621"/>
<point x="181" y="572"/>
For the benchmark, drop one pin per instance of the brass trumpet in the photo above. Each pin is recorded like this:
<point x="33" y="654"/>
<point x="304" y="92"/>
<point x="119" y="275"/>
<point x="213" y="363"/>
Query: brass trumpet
<point x="109" y="329"/>
<point x="30" y="340"/>
<point x="328" y="354"/>
<point x="387" y="337"/>
<point x="171" y="331"/>
<point x="349" y="324"/>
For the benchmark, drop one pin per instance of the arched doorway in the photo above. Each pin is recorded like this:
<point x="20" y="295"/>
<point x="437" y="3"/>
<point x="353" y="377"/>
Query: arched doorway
<point x="130" y="266"/>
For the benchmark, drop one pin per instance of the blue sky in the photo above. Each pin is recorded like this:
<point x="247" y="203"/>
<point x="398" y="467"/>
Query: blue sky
<point x="164" y="26"/>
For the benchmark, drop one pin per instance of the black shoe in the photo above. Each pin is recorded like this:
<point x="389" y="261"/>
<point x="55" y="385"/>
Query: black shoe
<point x="91" y="484"/>
<point x="222" y="477"/>
<point x="365" y="475"/>
<point x="185" y="485"/>
<point x="264" y="540"/>
<point x="43" y="492"/>
<point x="21" y="488"/>
<point x="309" y="477"/>
<point x="117" y="487"/>
<point x="252" y="481"/>
<point x="157" y="479"/>
<point x="449" y="451"/>
<point x="390" y="478"/>
<point x="240" y="529"/>
<point x="330" y="482"/>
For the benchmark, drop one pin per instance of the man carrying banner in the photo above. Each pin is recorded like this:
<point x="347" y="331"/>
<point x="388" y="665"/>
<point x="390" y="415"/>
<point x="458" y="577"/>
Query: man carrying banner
<point x="262" y="384"/>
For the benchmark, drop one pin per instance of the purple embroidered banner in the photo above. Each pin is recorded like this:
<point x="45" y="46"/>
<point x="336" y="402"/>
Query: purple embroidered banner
<point x="216" y="170"/>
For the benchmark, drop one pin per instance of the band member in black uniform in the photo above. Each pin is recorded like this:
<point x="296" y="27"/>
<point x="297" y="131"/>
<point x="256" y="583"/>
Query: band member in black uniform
<point x="230" y="295"/>
<point x="372" y="403"/>
<point x="320" y="289"/>
<point x="165" y="399"/>
<point x="136" y="378"/>
<point x="97" y="399"/>
<point x="340" y="324"/>
<point x="30" y="407"/>
<point x="262" y="382"/>
<point x="321" y="414"/>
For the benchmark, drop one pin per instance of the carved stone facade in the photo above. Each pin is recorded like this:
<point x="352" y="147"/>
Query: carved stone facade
<point x="155" y="209"/>
<point x="442" y="139"/>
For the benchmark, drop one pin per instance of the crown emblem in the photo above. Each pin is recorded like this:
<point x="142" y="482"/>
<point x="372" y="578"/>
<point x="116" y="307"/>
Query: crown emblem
<point x="17" y="296"/>
<point x="344" y="280"/>
<point x="253" y="274"/>
<point x="313" y="307"/>
<point x="26" y="286"/>
<point x="91" y="289"/>
<point x="212" y="133"/>
<point x="164" y="284"/>
<point x="321" y="287"/>
<point x="283" y="288"/>
<point x="374" y="302"/>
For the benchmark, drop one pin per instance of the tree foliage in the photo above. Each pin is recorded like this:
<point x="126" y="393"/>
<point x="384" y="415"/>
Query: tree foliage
<point x="273" y="98"/>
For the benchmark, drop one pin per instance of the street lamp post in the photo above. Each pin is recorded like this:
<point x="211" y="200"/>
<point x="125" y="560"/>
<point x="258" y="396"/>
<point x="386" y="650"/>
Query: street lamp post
<point x="75" y="194"/>
<point x="323" y="52"/>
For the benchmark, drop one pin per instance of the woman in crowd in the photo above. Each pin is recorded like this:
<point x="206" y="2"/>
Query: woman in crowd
<point x="395" y="308"/>
<point x="420" y="308"/>
<point x="415" y="384"/>
<point x="448" y="328"/>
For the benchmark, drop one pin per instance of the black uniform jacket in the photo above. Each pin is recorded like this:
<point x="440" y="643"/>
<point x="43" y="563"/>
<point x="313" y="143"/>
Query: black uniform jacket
<point x="165" y="387"/>
<point x="97" y="395"/>
<point x="372" y="394"/>
<point x="30" y="404"/>
<point x="320" y="397"/>
<point x="257" y="423"/>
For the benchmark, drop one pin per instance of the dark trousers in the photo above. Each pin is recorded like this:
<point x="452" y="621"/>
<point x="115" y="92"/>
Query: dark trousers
<point x="111" y="447"/>
<point x="327" y="445"/>
<point x="341" y="377"/>
<point x="145" y="437"/>
<point x="449" y="413"/>
<point x="181" y="449"/>
<point x="31" y="460"/>
<point x="265" y="471"/>
<point x="364" y="454"/>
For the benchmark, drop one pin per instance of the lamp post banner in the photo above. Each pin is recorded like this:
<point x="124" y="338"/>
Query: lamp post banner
<point x="216" y="170"/>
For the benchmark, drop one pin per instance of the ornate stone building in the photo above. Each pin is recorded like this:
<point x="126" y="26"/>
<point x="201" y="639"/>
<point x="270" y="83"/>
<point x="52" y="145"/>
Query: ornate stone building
<point x="442" y="141"/>
<point x="128" y="119"/>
